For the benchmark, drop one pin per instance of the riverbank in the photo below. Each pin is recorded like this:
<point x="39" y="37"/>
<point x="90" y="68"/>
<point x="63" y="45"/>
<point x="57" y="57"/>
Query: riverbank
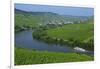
<point x="26" y="56"/>
<point x="80" y="35"/>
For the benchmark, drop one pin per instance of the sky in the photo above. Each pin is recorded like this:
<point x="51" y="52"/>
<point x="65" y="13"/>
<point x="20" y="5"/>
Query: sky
<point x="62" y="10"/>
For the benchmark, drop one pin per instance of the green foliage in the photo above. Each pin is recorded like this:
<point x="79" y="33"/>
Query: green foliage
<point x="25" y="57"/>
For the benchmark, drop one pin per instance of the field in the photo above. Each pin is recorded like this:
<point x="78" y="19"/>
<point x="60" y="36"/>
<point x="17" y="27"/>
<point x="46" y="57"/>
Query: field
<point x="25" y="57"/>
<point x="79" y="32"/>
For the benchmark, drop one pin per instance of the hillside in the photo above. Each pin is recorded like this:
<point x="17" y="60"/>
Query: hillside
<point x="35" y="19"/>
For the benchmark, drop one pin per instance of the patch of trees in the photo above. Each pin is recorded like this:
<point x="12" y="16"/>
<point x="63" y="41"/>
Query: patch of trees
<point x="18" y="28"/>
<point x="85" y="45"/>
<point x="22" y="28"/>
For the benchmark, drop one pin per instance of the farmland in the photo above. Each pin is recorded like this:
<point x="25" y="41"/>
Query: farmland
<point x="76" y="31"/>
<point x="26" y="57"/>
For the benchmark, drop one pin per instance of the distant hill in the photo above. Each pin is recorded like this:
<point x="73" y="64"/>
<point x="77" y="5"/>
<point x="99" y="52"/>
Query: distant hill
<point x="17" y="11"/>
<point x="34" y="19"/>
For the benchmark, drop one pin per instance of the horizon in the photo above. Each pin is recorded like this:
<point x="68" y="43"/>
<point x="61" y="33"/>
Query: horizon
<point x="61" y="10"/>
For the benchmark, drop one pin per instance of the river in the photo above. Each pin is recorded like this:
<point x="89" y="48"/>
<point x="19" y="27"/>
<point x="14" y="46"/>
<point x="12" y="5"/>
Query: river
<point x="24" y="39"/>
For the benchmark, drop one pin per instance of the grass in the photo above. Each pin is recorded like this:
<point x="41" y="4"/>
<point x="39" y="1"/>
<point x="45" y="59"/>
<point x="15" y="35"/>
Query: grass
<point x="79" y="32"/>
<point x="26" y="56"/>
